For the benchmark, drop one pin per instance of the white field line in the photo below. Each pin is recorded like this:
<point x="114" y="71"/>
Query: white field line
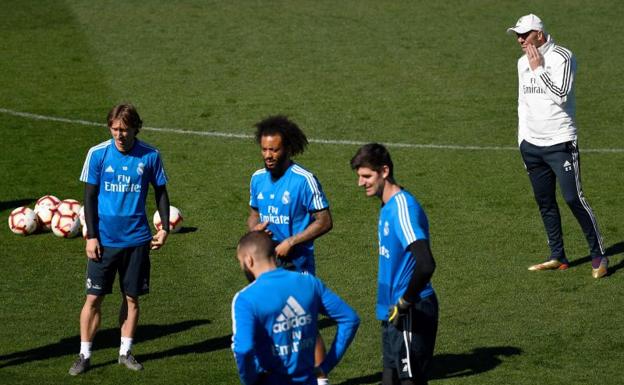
<point x="31" y="116"/>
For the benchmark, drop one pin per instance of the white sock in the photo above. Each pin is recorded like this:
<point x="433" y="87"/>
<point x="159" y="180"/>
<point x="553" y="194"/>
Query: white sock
<point x="126" y="345"/>
<point x="85" y="349"/>
<point x="322" y="381"/>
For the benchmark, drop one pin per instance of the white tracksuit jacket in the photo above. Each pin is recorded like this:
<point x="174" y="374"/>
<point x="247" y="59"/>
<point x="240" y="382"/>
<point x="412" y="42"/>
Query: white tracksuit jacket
<point x="546" y="103"/>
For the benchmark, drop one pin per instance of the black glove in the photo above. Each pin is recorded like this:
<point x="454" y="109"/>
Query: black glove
<point x="397" y="311"/>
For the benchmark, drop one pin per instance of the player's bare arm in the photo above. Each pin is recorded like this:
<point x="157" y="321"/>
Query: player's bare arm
<point x="253" y="220"/>
<point x="254" y="224"/>
<point x="321" y="225"/>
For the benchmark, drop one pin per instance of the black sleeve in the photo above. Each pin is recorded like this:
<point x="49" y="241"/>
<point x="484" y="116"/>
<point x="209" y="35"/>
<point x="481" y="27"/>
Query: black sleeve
<point x="425" y="266"/>
<point x="91" y="209"/>
<point x="162" y="202"/>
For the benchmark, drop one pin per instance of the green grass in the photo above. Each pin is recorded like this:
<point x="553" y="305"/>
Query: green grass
<point x="403" y="72"/>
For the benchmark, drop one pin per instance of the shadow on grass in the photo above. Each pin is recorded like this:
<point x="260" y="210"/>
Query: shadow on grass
<point x="468" y="364"/>
<point x="374" y="378"/>
<point x="10" y="205"/>
<point x="186" y="229"/>
<point x="453" y="365"/>
<point x="611" y="250"/>
<point x="206" y="346"/>
<point x="104" y="339"/>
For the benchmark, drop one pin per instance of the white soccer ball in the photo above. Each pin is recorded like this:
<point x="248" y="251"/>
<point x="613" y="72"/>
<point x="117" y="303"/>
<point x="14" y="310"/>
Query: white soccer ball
<point x="84" y="231"/>
<point x="44" y="216"/>
<point x="65" y="225"/>
<point x="175" y="220"/>
<point x="23" y="221"/>
<point x="48" y="201"/>
<point x="67" y="206"/>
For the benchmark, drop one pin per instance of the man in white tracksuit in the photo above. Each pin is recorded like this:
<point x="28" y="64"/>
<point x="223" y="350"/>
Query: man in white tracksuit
<point x="547" y="139"/>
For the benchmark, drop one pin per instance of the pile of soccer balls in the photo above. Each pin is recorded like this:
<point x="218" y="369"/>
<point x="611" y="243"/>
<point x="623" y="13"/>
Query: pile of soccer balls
<point x="62" y="217"/>
<point x="65" y="217"/>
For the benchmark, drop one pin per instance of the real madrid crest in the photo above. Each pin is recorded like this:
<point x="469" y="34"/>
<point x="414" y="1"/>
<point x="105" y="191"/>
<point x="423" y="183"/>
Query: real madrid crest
<point x="140" y="168"/>
<point x="286" y="197"/>
<point x="386" y="229"/>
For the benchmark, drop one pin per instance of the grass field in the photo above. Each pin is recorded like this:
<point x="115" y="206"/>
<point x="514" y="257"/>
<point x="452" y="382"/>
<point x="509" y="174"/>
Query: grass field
<point x="411" y="73"/>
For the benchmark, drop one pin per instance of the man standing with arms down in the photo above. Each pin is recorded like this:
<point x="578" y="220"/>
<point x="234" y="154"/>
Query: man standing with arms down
<point x="406" y="303"/>
<point x="287" y="200"/>
<point x="548" y="140"/>
<point x="274" y="319"/>
<point x="117" y="174"/>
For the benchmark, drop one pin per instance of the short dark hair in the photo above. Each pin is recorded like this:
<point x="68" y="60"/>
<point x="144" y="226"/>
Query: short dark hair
<point x="259" y="242"/>
<point x="127" y="113"/>
<point x="293" y="138"/>
<point x="373" y="156"/>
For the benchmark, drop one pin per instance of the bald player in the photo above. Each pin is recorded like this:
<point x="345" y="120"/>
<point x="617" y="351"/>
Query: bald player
<point x="274" y="319"/>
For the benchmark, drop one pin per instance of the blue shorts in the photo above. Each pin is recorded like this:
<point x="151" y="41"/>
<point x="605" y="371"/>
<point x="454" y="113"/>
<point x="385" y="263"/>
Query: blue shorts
<point x="133" y="265"/>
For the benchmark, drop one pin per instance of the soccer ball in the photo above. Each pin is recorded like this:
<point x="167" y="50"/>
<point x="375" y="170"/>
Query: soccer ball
<point x="23" y="221"/>
<point x="175" y="220"/>
<point x="47" y="201"/>
<point x="44" y="216"/>
<point x="65" y="224"/>
<point x="67" y="206"/>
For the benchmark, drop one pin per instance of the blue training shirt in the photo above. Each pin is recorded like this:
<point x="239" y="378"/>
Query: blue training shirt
<point x="401" y="222"/>
<point x="274" y="323"/>
<point x="123" y="181"/>
<point x="288" y="204"/>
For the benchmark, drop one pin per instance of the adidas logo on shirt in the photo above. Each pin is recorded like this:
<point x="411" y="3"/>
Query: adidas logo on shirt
<point x="109" y="169"/>
<point x="292" y="316"/>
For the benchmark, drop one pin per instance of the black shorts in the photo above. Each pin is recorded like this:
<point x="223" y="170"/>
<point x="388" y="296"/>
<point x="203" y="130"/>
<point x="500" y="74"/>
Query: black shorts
<point x="133" y="265"/>
<point x="409" y="348"/>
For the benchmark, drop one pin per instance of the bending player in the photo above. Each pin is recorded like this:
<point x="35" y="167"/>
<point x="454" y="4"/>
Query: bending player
<point x="274" y="319"/>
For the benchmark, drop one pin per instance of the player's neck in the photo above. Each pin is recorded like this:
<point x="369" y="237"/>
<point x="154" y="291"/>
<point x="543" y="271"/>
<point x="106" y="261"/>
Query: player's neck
<point x="126" y="150"/>
<point x="390" y="189"/>
<point x="278" y="172"/>
<point x="264" y="268"/>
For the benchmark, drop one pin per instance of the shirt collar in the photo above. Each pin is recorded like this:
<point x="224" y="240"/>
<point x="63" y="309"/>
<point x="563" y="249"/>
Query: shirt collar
<point x="550" y="42"/>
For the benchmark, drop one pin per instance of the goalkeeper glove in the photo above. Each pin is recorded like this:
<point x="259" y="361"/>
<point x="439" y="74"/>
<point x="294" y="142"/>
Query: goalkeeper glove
<point x="397" y="311"/>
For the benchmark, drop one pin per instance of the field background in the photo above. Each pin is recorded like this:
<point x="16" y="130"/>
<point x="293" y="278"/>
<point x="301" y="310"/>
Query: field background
<point x="416" y="73"/>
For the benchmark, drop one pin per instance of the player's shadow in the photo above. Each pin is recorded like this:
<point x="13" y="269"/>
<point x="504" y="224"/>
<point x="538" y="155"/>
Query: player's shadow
<point x="446" y="366"/>
<point x="611" y="250"/>
<point x="104" y="339"/>
<point x="468" y="364"/>
<point x="209" y="345"/>
<point x="187" y="229"/>
<point x="6" y="205"/>
<point x="374" y="378"/>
